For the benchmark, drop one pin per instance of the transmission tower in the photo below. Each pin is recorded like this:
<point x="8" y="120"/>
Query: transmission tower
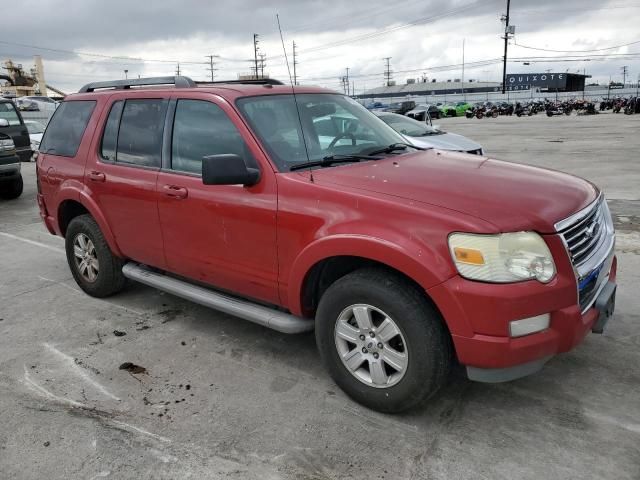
<point x="295" y="62"/>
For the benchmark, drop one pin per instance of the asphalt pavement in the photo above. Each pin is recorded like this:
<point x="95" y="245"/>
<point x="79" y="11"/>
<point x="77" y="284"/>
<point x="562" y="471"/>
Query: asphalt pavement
<point x="209" y="396"/>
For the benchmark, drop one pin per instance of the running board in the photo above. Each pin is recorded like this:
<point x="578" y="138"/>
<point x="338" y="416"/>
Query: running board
<point x="267" y="317"/>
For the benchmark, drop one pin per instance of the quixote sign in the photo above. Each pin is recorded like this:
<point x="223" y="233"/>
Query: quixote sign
<point x="548" y="80"/>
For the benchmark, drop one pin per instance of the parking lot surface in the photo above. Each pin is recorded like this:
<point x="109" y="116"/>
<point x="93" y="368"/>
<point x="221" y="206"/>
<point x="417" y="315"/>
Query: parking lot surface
<point x="211" y="396"/>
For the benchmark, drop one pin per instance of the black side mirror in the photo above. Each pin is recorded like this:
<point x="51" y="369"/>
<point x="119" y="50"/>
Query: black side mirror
<point x="228" y="169"/>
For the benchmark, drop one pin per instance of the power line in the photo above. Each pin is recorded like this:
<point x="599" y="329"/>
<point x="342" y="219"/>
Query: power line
<point x="386" y="31"/>
<point x="577" y="51"/>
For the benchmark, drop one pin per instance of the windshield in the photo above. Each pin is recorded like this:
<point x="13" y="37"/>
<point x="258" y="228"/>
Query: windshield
<point x="34" y="127"/>
<point x="329" y="124"/>
<point x="408" y="126"/>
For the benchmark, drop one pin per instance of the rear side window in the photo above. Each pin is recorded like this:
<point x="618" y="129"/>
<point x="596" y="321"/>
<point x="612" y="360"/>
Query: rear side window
<point x="140" y="133"/>
<point x="65" y="130"/>
<point x="110" y="136"/>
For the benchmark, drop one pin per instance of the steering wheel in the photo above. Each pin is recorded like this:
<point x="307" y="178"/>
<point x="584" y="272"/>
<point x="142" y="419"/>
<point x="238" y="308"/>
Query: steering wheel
<point x="341" y="136"/>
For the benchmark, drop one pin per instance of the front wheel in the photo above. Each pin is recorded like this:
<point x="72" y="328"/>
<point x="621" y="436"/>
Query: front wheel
<point x="382" y="341"/>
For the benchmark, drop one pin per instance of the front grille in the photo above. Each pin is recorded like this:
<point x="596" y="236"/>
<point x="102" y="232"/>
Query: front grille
<point x="584" y="238"/>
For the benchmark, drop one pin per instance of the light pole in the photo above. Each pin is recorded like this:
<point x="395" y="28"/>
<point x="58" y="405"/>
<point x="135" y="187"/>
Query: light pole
<point x="125" y="74"/>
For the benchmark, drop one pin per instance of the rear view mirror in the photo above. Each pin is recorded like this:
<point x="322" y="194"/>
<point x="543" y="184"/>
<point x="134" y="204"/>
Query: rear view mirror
<point x="4" y="122"/>
<point x="322" y="109"/>
<point x="228" y="169"/>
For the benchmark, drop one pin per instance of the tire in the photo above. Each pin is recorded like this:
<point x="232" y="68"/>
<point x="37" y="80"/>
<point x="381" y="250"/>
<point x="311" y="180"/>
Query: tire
<point x="422" y="338"/>
<point x="11" y="189"/>
<point x="108" y="278"/>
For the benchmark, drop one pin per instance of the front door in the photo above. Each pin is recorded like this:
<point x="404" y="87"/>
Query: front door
<point x="223" y="235"/>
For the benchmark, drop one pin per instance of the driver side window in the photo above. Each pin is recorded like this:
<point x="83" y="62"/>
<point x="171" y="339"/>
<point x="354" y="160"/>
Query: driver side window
<point x="201" y="128"/>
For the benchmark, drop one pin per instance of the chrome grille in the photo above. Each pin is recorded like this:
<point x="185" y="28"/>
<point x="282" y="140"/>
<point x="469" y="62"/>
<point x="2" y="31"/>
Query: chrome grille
<point x="584" y="236"/>
<point x="589" y="238"/>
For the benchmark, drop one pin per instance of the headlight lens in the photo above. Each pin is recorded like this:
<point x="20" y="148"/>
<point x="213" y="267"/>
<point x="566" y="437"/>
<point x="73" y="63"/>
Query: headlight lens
<point x="503" y="258"/>
<point x="6" y="145"/>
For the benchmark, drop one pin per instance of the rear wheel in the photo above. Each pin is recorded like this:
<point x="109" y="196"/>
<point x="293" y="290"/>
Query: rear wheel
<point x="381" y="340"/>
<point x="11" y="189"/>
<point x="94" y="267"/>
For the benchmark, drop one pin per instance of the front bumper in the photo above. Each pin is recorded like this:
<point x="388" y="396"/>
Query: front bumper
<point x="478" y="316"/>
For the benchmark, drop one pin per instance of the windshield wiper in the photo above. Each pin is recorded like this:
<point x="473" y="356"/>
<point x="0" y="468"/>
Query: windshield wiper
<point x="394" y="147"/>
<point x="332" y="159"/>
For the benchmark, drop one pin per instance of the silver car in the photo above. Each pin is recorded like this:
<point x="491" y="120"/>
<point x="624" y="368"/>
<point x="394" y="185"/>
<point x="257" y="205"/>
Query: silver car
<point x="424" y="135"/>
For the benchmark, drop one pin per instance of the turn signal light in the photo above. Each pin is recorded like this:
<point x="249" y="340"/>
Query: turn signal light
<point x="468" y="255"/>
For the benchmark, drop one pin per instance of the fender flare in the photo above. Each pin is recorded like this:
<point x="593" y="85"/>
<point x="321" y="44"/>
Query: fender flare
<point x="366" y="247"/>
<point x="87" y="202"/>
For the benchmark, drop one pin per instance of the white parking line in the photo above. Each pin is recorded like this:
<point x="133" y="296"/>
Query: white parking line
<point x="32" y="242"/>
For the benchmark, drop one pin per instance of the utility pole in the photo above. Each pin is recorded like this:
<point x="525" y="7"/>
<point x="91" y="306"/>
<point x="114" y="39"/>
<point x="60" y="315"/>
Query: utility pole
<point x="506" y="46"/>
<point x="625" y="71"/>
<point x="463" y="95"/>
<point x="255" y="52"/>
<point x="262" y="63"/>
<point x="346" y="79"/>
<point x="178" y="69"/>
<point x="295" y="62"/>
<point x="211" y="64"/>
<point x="387" y="71"/>
<point x="125" y="74"/>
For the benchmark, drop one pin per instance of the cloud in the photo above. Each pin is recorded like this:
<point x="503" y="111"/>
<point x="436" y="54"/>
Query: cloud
<point x="331" y="36"/>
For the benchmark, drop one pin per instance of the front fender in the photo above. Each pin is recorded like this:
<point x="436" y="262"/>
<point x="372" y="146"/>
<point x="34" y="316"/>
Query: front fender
<point x="422" y="264"/>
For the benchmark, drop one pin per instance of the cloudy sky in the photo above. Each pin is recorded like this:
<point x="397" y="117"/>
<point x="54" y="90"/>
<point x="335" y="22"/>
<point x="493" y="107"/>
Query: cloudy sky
<point x="89" y="40"/>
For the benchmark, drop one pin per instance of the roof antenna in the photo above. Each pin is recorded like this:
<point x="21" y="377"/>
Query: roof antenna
<point x="295" y="99"/>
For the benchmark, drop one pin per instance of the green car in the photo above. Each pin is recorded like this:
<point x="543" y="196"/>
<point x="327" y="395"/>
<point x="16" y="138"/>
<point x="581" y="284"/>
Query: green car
<point x="455" y="109"/>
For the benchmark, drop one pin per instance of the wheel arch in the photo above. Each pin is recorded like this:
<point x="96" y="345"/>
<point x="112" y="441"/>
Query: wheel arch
<point x="70" y="208"/>
<point x="330" y="258"/>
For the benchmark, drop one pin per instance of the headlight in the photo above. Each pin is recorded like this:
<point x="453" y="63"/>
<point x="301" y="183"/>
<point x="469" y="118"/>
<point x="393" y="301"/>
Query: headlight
<point x="503" y="258"/>
<point x="6" y="145"/>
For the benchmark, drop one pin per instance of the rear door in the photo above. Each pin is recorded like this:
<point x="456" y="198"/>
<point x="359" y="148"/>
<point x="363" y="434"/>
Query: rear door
<point x="16" y="130"/>
<point x="122" y="173"/>
<point x="224" y="235"/>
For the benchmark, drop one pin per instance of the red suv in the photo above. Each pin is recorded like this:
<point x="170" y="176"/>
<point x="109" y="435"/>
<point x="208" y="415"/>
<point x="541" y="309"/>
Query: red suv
<point x="305" y="211"/>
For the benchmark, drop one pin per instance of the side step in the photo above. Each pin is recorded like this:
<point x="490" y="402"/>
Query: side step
<point x="274" y="319"/>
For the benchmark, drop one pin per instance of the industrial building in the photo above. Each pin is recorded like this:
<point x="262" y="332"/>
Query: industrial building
<point x="539" y="82"/>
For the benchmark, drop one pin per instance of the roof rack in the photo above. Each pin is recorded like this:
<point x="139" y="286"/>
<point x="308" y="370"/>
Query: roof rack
<point x="257" y="81"/>
<point x="178" y="82"/>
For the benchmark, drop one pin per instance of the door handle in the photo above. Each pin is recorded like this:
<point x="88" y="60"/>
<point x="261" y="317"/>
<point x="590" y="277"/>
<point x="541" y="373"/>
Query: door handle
<point x="174" y="191"/>
<point x="97" y="176"/>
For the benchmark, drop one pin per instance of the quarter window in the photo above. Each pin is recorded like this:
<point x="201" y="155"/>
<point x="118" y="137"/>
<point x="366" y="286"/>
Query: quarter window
<point x="201" y="128"/>
<point x="140" y="133"/>
<point x="66" y="128"/>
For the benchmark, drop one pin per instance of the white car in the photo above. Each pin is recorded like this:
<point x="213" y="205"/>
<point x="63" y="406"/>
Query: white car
<point x="424" y="135"/>
<point x="45" y="104"/>
<point x="36" y="130"/>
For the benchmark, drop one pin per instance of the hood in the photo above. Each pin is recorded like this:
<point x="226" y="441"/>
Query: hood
<point x="445" y="141"/>
<point x="511" y="196"/>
